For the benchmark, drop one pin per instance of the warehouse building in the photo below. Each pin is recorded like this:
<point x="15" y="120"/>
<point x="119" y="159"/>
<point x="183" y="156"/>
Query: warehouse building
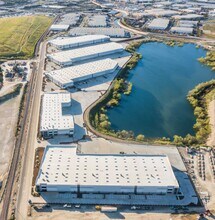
<point x="53" y="120"/>
<point x="160" y="12"/>
<point x="67" y="77"/>
<point x="105" y="176"/>
<point x="189" y="17"/>
<point x="71" y="42"/>
<point x="111" y="32"/>
<point x="69" y="57"/>
<point x="97" y="21"/>
<point x="184" y="23"/>
<point x="70" y="19"/>
<point x="182" y="30"/>
<point x="59" y="27"/>
<point x="159" y="24"/>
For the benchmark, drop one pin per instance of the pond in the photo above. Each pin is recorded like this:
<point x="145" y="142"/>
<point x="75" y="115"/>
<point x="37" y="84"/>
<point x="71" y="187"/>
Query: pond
<point x="157" y="105"/>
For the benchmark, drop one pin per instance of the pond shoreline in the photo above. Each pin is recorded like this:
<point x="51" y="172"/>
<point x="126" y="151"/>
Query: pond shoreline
<point x="113" y="134"/>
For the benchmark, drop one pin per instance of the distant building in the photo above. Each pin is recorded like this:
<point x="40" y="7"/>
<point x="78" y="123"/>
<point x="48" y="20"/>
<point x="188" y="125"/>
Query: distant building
<point x="67" y="77"/>
<point x="111" y="32"/>
<point x="189" y="17"/>
<point x="70" y="19"/>
<point x="187" y="23"/>
<point x="159" y="24"/>
<point x="160" y="12"/>
<point x="182" y="30"/>
<point x="71" y="42"/>
<point x="97" y="21"/>
<point x="59" y="27"/>
<point x="53" y="121"/>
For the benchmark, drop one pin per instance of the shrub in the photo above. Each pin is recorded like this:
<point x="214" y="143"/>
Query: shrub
<point x="140" y="137"/>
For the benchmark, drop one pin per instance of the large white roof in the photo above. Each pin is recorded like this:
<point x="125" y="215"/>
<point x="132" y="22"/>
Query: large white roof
<point x="59" y="42"/>
<point x="70" y="19"/>
<point x="61" y="165"/>
<point x="189" y="16"/>
<point x="93" y="30"/>
<point x="160" y="12"/>
<point x="52" y="115"/>
<point x="59" y="27"/>
<point x="183" y="30"/>
<point x="159" y="23"/>
<point x="67" y="75"/>
<point x="97" y="20"/>
<point x="67" y="56"/>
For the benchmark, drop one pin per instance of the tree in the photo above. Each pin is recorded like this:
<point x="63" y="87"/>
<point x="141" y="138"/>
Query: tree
<point x="140" y="137"/>
<point x="189" y="140"/>
<point x="103" y="117"/>
<point x="105" y="125"/>
<point x="178" y="140"/>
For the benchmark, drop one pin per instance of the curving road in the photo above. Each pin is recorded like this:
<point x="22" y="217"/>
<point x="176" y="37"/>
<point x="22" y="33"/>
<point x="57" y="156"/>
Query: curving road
<point x="150" y="34"/>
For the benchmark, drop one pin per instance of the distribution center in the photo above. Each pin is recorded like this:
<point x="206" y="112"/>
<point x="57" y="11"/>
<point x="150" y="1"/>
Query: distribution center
<point x="71" y="42"/>
<point x="67" y="77"/>
<point x="69" y="57"/>
<point x="63" y="170"/>
<point x="53" y="121"/>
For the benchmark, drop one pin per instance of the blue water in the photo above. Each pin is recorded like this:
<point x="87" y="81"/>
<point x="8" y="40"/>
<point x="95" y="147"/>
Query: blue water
<point x="157" y="105"/>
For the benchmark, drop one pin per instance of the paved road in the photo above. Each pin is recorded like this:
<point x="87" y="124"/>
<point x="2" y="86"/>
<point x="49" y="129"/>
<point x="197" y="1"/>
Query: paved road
<point x="145" y="33"/>
<point x="31" y="140"/>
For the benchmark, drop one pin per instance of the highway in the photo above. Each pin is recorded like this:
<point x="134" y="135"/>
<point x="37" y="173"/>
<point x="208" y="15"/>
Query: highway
<point x="26" y="140"/>
<point x="14" y="163"/>
<point x="31" y="141"/>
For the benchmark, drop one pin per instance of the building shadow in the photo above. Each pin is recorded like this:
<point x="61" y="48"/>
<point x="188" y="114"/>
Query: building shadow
<point x="43" y="208"/>
<point x="76" y="108"/>
<point x="114" y="215"/>
<point x="79" y="132"/>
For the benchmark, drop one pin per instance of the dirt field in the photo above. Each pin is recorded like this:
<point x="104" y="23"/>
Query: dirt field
<point x="8" y="115"/>
<point x="76" y="215"/>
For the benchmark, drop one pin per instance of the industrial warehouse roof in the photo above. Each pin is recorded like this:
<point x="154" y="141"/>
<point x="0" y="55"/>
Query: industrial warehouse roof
<point x="67" y="56"/>
<point x="182" y="30"/>
<point x="189" y="16"/>
<point x="70" y="19"/>
<point x="160" y="12"/>
<point x="159" y="23"/>
<point x="59" y="27"/>
<point x="62" y="165"/>
<point x="97" y="21"/>
<point x="112" y="32"/>
<point x="60" y="42"/>
<point x="52" y="114"/>
<point x="67" y="75"/>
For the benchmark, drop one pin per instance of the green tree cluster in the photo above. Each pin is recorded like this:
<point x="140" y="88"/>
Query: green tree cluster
<point x="134" y="60"/>
<point x="198" y="99"/>
<point x="140" y="137"/>
<point x="209" y="60"/>
<point x="131" y="48"/>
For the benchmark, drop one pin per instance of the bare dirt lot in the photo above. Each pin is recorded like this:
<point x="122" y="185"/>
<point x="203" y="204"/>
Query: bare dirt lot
<point x="138" y="215"/>
<point x="8" y="115"/>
